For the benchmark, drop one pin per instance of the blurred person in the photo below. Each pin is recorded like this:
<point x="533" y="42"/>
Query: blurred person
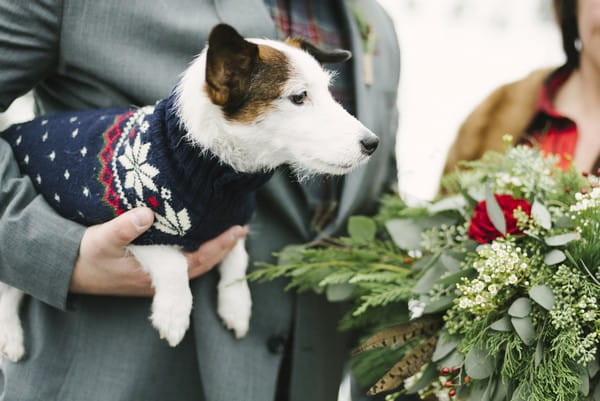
<point x="556" y="108"/>
<point x="86" y="331"/>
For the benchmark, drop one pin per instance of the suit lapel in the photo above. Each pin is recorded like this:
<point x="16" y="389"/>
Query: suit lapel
<point x="351" y="191"/>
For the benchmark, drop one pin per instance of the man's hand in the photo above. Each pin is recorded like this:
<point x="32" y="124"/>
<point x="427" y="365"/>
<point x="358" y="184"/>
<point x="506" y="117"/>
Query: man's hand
<point x="104" y="267"/>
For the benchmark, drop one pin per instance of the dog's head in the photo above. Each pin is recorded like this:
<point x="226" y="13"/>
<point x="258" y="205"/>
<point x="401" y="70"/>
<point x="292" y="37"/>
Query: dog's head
<point x="261" y="103"/>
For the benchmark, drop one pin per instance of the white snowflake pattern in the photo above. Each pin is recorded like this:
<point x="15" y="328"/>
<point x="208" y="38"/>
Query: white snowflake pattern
<point x="165" y="193"/>
<point x="45" y="136"/>
<point x="67" y="175"/>
<point x="38" y="178"/>
<point x="52" y="156"/>
<point x="57" y="197"/>
<point x="26" y="159"/>
<point x="44" y="122"/>
<point x="18" y="140"/>
<point x="174" y="223"/>
<point x="72" y="119"/>
<point x="139" y="172"/>
<point x="75" y="132"/>
<point x="83" y="151"/>
<point x="86" y="192"/>
<point x="144" y="126"/>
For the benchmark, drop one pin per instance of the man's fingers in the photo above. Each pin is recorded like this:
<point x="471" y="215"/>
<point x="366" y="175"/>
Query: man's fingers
<point x="123" y="229"/>
<point x="213" y="251"/>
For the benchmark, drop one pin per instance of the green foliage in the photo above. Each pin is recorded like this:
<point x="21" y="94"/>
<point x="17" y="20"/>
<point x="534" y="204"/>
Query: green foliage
<point x="522" y="311"/>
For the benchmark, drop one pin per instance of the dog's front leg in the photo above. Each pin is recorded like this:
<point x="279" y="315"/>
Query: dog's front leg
<point x="172" y="302"/>
<point x="235" y="303"/>
<point x="11" y="331"/>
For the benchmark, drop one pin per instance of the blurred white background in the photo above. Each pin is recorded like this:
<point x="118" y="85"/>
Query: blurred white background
<point x="454" y="53"/>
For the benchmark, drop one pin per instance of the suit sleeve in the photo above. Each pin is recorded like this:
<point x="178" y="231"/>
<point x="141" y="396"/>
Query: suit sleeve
<point x="38" y="248"/>
<point x="29" y="35"/>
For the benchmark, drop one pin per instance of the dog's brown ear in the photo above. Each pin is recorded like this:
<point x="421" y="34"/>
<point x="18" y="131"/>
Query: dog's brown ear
<point x="322" y="56"/>
<point x="230" y="62"/>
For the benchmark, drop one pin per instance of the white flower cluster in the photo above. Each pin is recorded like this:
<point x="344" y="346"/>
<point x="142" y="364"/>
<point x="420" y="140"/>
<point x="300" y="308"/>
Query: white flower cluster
<point x="526" y="173"/>
<point x="500" y="267"/>
<point x="587" y="201"/>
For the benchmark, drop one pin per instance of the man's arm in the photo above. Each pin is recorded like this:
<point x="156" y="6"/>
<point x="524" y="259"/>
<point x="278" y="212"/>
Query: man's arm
<point x="29" y="35"/>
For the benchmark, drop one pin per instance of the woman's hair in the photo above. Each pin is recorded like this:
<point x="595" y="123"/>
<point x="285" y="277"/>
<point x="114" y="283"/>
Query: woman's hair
<point x="566" y="15"/>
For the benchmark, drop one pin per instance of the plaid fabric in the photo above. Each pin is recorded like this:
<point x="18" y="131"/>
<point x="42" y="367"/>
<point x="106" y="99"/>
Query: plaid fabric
<point x="551" y="131"/>
<point x="319" y="22"/>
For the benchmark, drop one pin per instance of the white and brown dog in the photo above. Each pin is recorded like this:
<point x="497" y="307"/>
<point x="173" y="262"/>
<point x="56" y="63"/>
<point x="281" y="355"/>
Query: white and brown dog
<point x="241" y="109"/>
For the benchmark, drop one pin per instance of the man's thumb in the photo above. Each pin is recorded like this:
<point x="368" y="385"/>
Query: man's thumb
<point x="123" y="229"/>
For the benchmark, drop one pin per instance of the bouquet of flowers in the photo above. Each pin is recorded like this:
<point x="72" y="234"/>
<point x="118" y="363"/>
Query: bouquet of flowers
<point x="488" y="294"/>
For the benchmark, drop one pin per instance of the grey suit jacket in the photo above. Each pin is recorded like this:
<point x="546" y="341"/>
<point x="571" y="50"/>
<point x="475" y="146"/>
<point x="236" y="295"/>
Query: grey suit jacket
<point x="87" y="54"/>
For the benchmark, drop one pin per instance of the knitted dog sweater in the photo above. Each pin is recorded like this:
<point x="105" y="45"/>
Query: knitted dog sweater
<point x="94" y="165"/>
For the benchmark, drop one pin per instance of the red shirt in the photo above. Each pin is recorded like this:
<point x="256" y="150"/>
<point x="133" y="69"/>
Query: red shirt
<point x="550" y="130"/>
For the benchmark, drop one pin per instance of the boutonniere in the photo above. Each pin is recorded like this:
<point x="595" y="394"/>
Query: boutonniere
<point x="368" y="39"/>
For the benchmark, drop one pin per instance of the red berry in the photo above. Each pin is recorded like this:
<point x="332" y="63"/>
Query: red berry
<point x="445" y="371"/>
<point x="452" y="393"/>
<point x="584" y="191"/>
<point x="467" y="380"/>
<point x="448" y="383"/>
<point x="585" y="174"/>
<point x="598" y="172"/>
<point x="454" y="369"/>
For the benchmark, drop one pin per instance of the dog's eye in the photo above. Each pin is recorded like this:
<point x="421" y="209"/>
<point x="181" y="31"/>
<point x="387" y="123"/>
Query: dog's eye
<point x="298" y="99"/>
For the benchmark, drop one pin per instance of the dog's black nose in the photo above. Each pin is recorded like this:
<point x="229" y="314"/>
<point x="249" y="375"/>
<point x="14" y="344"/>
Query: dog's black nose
<point x="368" y="144"/>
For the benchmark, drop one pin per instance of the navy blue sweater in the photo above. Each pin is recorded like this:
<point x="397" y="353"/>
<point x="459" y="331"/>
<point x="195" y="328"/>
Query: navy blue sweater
<point x="93" y="165"/>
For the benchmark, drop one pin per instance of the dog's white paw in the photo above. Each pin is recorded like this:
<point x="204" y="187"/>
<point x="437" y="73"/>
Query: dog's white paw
<point x="235" y="307"/>
<point x="171" y="315"/>
<point x="11" y="339"/>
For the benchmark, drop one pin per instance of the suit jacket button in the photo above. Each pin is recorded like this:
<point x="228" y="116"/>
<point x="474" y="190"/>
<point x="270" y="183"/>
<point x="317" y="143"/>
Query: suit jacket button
<point x="276" y="344"/>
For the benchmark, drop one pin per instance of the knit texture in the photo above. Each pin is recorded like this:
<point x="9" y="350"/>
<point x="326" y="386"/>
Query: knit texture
<point x="94" y="165"/>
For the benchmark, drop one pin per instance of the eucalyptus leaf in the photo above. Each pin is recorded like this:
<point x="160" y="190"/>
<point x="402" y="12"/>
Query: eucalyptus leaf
<point x="554" y="257"/>
<point x="562" y="239"/>
<point x="524" y="328"/>
<point x="452" y="360"/>
<point x="542" y="294"/>
<point x="444" y="347"/>
<point x="501" y="391"/>
<point x="451" y="264"/>
<point x="478" y="390"/>
<point x="479" y="364"/>
<point x="597" y="393"/>
<point x="539" y="353"/>
<point x="405" y="233"/>
<point x="455" y="277"/>
<point x="339" y="292"/>
<point x="362" y="228"/>
<point x="503" y="324"/>
<point x="541" y="215"/>
<point x="584" y="386"/>
<point x="521" y="307"/>
<point x="425" y="262"/>
<point x="456" y="202"/>
<point x="440" y="304"/>
<point x="428" y="279"/>
<point x="563" y="222"/>
<point x="429" y="374"/>
<point x="593" y="367"/>
<point x="494" y="211"/>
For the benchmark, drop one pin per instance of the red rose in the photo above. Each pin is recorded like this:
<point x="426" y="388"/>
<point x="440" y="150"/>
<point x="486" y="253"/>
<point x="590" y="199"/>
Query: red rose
<point x="483" y="231"/>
